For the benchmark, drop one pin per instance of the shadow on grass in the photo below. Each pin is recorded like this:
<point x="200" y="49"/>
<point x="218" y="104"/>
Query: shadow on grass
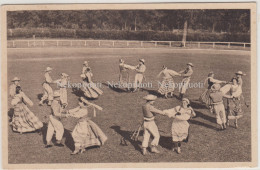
<point x="126" y="135"/>
<point x="206" y="117"/>
<point x="10" y="114"/>
<point x="166" y="142"/>
<point x="118" y="90"/>
<point x="195" y="122"/>
<point x="39" y="96"/>
<point x="78" y="92"/>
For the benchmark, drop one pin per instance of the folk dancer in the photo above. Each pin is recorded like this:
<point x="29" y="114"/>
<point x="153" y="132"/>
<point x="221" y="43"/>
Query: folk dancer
<point x="48" y="92"/>
<point x="167" y="85"/>
<point x="180" y="126"/>
<point x="85" y="66"/>
<point x="62" y="84"/>
<point x="185" y="81"/>
<point x="86" y="133"/>
<point x="23" y="119"/>
<point x="204" y="98"/>
<point x="12" y="88"/>
<point x="90" y="89"/>
<point x="124" y="72"/>
<point x="140" y="69"/>
<point x="216" y="97"/>
<point x="150" y="128"/>
<point x="55" y="124"/>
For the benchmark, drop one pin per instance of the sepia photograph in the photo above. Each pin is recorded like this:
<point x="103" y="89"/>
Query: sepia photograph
<point x="137" y="85"/>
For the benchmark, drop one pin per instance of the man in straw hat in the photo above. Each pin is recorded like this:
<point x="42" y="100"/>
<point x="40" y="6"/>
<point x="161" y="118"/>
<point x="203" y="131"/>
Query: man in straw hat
<point x="239" y="75"/>
<point x="185" y="81"/>
<point x="48" y="92"/>
<point x="140" y="69"/>
<point x="55" y="124"/>
<point x="150" y="128"/>
<point x="216" y="97"/>
<point x="12" y="88"/>
<point x="85" y="66"/>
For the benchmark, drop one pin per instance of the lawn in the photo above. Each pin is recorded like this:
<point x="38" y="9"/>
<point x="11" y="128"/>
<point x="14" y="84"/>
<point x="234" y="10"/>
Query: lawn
<point x="122" y="111"/>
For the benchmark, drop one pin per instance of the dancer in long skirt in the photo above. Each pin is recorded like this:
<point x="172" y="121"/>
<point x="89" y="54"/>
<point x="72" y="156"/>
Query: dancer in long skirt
<point x="23" y="119"/>
<point x="90" y="89"/>
<point x="140" y="69"/>
<point x="48" y="92"/>
<point x="150" y="127"/>
<point x="62" y="84"/>
<point x="185" y="81"/>
<point x="218" y="107"/>
<point x="204" y="98"/>
<point x="84" y="68"/>
<point x="167" y="86"/>
<point x="124" y="78"/>
<point x="12" y="88"/>
<point x="86" y="133"/>
<point x="180" y="126"/>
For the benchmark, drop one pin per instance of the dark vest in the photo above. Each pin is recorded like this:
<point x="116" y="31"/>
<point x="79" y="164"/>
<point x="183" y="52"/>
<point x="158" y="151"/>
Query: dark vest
<point x="210" y="84"/>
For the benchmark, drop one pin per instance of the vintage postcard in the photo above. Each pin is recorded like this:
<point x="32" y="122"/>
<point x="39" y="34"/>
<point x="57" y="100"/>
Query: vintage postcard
<point x="163" y="85"/>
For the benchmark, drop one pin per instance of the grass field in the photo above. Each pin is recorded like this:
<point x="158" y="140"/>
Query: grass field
<point x="122" y="111"/>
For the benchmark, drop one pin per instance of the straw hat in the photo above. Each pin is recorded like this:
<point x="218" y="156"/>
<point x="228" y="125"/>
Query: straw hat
<point x="121" y="60"/>
<point x="187" y="100"/>
<point x="56" y="93"/>
<point x="16" y="79"/>
<point x="240" y="73"/>
<point x="142" y="60"/>
<point x="190" y="64"/>
<point x="85" y="63"/>
<point x="215" y="87"/>
<point x="48" y="69"/>
<point x="150" y="97"/>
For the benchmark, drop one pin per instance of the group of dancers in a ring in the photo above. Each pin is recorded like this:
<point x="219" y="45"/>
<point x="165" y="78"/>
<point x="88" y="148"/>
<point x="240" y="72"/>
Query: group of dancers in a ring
<point x="86" y="133"/>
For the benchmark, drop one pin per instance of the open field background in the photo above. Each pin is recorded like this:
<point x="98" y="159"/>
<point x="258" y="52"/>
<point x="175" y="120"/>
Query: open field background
<point x="122" y="111"/>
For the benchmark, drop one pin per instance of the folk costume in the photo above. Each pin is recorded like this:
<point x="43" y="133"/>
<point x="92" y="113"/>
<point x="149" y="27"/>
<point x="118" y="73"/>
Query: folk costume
<point x="167" y="85"/>
<point x="84" y="68"/>
<point x="140" y="69"/>
<point x="204" y="98"/>
<point x="150" y="128"/>
<point x="124" y="72"/>
<point x="90" y="89"/>
<point x="180" y="125"/>
<point x="62" y="84"/>
<point x="55" y="124"/>
<point x="86" y="133"/>
<point x="12" y="88"/>
<point x="218" y="107"/>
<point x="185" y="81"/>
<point x="48" y="92"/>
<point x="23" y="119"/>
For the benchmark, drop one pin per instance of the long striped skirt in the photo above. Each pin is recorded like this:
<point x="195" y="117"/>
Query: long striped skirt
<point x="166" y="86"/>
<point x="234" y="108"/>
<point x="204" y="98"/>
<point x="91" y="90"/>
<point x="24" y="120"/>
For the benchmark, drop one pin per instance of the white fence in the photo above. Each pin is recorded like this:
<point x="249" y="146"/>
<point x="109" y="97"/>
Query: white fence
<point x="122" y="44"/>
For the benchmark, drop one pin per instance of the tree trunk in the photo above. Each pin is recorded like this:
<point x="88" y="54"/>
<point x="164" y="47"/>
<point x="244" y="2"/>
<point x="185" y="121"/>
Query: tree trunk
<point x="184" y="33"/>
<point x="213" y="26"/>
<point x="135" y="23"/>
<point x="125" y="25"/>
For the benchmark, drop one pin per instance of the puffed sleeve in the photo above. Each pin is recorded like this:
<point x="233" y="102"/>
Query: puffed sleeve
<point x="182" y="117"/>
<point x="79" y="113"/>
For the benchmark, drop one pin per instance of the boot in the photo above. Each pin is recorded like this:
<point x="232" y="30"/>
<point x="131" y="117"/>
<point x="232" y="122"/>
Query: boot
<point x="236" y="125"/>
<point x="48" y="145"/>
<point x="58" y="143"/>
<point x="144" y="151"/>
<point x="76" y="151"/>
<point x="178" y="150"/>
<point x="154" y="149"/>
<point x="224" y="126"/>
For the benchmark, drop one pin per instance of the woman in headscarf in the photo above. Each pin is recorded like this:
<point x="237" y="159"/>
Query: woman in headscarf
<point x="167" y="86"/>
<point x="62" y="84"/>
<point x="23" y="119"/>
<point x="90" y="89"/>
<point x="180" y="126"/>
<point x="86" y="133"/>
<point x="204" y="98"/>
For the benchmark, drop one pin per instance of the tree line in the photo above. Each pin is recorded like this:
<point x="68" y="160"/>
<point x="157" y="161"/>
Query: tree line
<point x="229" y="21"/>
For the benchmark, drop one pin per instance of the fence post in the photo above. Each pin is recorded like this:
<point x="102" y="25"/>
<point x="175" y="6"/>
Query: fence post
<point x="99" y="43"/>
<point x="229" y="45"/>
<point x="57" y="43"/>
<point x="127" y="43"/>
<point x="213" y="45"/>
<point x="244" y="45"/>
<point x="155" y="44"/>
<point x="28" y="44"/>
<point x="13" y="44"/>
<point x="85" y="43"/>
<point x="184" y="44"/>
<point x="34" y="43"/>
<point x="170" y="44"/>
<point x="141" y="43"/>
<point x="113" y="43"/>
<point x="71" y="43"/>
<point x="199" y="45"/>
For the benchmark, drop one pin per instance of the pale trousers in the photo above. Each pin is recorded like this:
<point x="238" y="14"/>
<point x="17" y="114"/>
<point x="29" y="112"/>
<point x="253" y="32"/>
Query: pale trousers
<point x="48" y="92"/>
<point x="150" y="128"/>
<point x="54" y="125"/>
<point x="184" y="85"/>
<point x="138" y="79"/>
<point x="219" y="110"/>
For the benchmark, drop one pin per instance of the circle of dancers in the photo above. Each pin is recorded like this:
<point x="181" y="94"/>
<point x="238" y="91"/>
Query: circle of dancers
<point x="86" y="133"/>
